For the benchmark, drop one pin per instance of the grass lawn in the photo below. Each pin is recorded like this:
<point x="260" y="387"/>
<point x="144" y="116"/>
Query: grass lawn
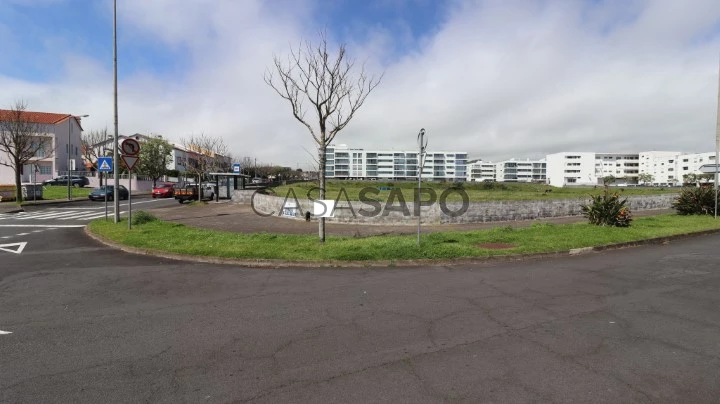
<point x="538" y="238"/>
<point x="60" y="192"/>
<point x="477" y="191"/>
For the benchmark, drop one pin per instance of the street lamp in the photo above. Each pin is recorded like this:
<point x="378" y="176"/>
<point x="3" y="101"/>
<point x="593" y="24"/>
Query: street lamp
<point x="69" y="171"/>
<point x="422" y="144"/>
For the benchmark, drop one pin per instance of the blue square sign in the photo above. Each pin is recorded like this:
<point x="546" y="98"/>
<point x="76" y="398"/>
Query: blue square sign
<point x="236" y="168"/>
<point x="105" y="164"/>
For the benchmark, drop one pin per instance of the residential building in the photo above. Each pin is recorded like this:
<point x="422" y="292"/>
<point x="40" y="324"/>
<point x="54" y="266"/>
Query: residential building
<point x="691" y="163"/>
<point x="481" y="171"/>
<point x="589" y="168"/>
<point x="662" y="165"/>
<point x="624" y="167"/>
<point x="521" y="171"/>
<point x="572" y="168"/>
<point x="63" y="133"/>
<point x="343" y="162"/>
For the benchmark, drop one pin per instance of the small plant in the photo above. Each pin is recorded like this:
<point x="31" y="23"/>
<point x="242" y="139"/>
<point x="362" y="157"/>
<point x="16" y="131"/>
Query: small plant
<point x="607" y="209"/>
<point x="695" y="201"/>
<point x="143" y="217"/>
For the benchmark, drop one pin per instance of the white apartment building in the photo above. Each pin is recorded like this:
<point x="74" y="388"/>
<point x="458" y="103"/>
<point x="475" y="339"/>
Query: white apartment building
<point x="691" y="163"/>
<point x="662" y="165"/>
<point x="521" y="171"/>
<point x="343" y="162"/>
<point x="569" y="168"/>
<point x="62" y="134"/>
<point x="481" y="171"/>
<point x="588" y="168"/>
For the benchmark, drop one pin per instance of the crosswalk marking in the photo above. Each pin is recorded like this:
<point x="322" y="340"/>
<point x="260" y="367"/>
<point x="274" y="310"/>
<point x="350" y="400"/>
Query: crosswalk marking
<point x="88" y="214"/>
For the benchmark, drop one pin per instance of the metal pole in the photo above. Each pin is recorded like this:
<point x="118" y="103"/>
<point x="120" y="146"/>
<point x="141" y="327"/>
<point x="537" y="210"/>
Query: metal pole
<point x="130" y="200"/>
<point x="116" y="163"/>
<point x="717" y="147"/>
<point x="35" y="183"/>
<point x="422" y="144"/>
<point x="68" y="156"/>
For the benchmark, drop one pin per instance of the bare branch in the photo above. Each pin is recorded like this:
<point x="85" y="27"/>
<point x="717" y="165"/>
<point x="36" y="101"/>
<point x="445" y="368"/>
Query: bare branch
<point x="327" y="82"/>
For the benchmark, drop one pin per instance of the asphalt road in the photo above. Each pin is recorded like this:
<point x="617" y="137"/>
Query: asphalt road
<point x="90" y="324"/>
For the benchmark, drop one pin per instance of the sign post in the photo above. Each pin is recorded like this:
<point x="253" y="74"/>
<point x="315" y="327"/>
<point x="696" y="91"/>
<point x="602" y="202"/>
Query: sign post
<point x="105" y="165"/>
<point x="130" y="148"/>
<point x="236" y="168"/>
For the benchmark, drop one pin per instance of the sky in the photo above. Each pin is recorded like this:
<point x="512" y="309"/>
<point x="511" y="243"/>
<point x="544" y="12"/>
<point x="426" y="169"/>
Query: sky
<point x="495" y="78"/>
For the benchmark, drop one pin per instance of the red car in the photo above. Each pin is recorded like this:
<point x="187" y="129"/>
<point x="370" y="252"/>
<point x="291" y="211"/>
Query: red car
<point x="164" y="190"/>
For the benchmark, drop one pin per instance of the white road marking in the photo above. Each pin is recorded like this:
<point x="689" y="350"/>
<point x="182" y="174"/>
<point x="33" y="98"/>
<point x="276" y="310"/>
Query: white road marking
<point x="5" y="236"/>
<point x="42" y="225"/>
<point x="5" y="332"/>
<point x="20" y="247"/>
<point x="22" y="234"/>
<point x="38" y="231"/>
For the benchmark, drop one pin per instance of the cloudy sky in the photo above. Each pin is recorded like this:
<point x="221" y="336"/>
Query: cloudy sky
<point x="498" y="79"/>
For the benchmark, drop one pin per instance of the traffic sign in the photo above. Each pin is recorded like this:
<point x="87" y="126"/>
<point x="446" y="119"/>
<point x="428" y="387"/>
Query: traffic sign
<point x="130" y="147"/>
<point x="105" y="164"/>
<point x="236" y="168"/>
<point x="130" y="161"/>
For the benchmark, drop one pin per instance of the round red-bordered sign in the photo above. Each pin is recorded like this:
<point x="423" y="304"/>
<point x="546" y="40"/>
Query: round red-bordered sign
<point x="130" y="147"/>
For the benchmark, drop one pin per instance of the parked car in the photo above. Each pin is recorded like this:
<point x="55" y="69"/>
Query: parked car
<point x="77" y="181"/>
<point x="163" y="190"/>
<point x="98" y="194"/>
<point x="208" y="189"/>
<point x="257" y="181"/>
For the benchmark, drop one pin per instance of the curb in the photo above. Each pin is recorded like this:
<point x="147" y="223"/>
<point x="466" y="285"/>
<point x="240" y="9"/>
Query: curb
<point x="277" y="264"/>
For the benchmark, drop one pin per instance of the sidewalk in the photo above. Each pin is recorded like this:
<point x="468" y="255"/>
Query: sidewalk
<point x="241" y="219"/>
<point x="12" y="207"/>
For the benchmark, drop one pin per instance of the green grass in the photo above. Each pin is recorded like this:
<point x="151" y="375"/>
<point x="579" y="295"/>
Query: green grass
<point x="538" y="238"/>
<point x="476" y="191"/>
<point x="60" y="192"/>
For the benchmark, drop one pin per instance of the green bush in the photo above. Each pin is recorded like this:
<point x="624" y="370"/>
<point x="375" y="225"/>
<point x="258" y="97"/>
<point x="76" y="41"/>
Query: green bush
<point x="607" y="209"/>
<point x="143" y="217"/>
<point x="695" y="201"/>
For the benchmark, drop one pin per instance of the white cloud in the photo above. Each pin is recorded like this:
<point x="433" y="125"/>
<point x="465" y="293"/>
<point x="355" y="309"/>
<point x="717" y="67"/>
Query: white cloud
<point x="498" y="79"/>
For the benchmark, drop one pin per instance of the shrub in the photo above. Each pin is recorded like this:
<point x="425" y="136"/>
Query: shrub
<point x="607" y="209"/>
<point x="143" y="217"/>
<point x="695" y="201"/>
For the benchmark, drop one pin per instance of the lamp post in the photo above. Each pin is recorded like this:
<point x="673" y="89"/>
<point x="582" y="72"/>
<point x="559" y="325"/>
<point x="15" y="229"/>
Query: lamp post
<point x="69" y="147"/>
<point x="422" y="144"/>
<point x="116" y="163"/>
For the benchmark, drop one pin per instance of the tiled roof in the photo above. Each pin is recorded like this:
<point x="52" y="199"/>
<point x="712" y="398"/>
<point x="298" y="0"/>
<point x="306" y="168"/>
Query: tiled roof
<point x="47" y="118"/>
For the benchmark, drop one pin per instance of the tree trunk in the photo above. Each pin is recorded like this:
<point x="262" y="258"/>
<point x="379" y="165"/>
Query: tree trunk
<point x="321" y="177"/>
<point x="18" y="185"/>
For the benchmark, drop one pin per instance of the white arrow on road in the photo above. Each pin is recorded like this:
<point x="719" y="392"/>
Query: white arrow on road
<point x="5" y="332"/>
<point x="19" y="247"/>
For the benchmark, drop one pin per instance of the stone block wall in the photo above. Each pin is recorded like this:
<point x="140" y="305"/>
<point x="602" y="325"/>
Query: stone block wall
<point x="479" y="212"/>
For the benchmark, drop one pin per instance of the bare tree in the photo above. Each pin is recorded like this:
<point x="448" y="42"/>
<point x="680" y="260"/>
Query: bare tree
<point x="330" y="86"/>
<point x="208" y="154"/>
<point x="93" y="146"/>
<point x="22" y="141"/>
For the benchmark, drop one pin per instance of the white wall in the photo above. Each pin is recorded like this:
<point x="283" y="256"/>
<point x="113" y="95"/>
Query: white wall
<point x="571" y="169"/>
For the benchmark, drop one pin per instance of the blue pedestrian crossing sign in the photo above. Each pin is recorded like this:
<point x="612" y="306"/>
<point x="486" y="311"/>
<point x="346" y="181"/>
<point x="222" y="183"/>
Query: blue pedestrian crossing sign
<point x="236" y="168"/>
<point x="105" y="164"/>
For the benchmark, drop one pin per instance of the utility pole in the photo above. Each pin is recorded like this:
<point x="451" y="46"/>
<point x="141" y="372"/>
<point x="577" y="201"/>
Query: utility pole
<point x="717" y="147"/>
<point x="422" y="143"/>
<point x="116" y="157"/>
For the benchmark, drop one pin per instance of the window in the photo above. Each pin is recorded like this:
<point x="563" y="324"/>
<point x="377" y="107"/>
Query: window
<point x="45" y="169"/>
<point x="685" y="168"/>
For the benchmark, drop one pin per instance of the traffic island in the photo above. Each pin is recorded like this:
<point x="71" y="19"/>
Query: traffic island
<point x="542" y="240"/>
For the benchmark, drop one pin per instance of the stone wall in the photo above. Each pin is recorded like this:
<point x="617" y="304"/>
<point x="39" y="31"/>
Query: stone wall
<point x="479" y="212"/>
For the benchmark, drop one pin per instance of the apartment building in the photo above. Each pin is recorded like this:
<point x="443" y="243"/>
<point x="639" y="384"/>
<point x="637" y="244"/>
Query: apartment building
<point x="662" y="165"/>
<point x="521" y="171"/>
<point x="691" y="163"/>
<point x="343" y="162"/>
<point x="61" y="133"/>
<point x="589" y="168"/>
<point x="481" y="171"/>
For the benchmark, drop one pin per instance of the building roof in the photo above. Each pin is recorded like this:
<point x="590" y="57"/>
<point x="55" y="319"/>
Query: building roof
<point x="46" y="118"/>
